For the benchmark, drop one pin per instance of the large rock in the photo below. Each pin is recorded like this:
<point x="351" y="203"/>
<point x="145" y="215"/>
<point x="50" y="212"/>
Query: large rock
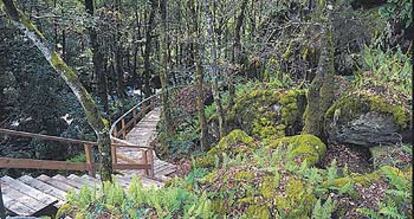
<point x="366" y="119"/>
<point x="299" y="148"/>
<point x="246" y="191"/>
<point x="237" y="142"/>
<point x="269" y="113"/>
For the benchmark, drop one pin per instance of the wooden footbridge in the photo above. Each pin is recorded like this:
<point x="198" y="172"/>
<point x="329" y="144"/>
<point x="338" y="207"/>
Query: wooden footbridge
<point x="133" y="153"/>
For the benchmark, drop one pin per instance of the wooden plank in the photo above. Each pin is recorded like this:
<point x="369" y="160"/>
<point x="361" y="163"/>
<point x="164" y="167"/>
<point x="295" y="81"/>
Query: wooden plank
<point x="17" y="207"/>
<point x="68" y="181"/>
<point x="82" y="181"/>
<point x="24" y="199"/>
<point x="92" y="180"/>
<point x="122" y="182"/>
<point x="44" y="187"/>
<point x="57" y="183"/>
<point x="40" y="164"/>
<point x="29" y="191"/>
<point x="122" y="166"/>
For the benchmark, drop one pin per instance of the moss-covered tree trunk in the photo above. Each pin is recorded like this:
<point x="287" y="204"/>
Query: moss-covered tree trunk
<point x="93" y="116"/>
<point x="199" y="75"/>
<point x="321" y="92"/>
<point x="166" y="115"/>
<point x="211" y="38"/>
<point x="236" y="52"/>
<point x="97" y="59"/>
<point x="147" y="52"/>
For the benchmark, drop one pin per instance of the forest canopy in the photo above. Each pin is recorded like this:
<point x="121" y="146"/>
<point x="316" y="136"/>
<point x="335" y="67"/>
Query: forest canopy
<point x="268" y="109"/>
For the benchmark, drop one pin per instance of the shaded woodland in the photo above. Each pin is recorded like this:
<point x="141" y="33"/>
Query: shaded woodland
<point x="269" y="109"/>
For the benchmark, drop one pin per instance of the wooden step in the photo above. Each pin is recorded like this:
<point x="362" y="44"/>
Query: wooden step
<point x="30" y="191"/>
<point x="44" y="187"/>
<point x="67" y="181"/>
<point x="57" y="183"/>
<point x="17" y="207"/>
<point x="82" y="181"/>
<point x="17" y="192"/>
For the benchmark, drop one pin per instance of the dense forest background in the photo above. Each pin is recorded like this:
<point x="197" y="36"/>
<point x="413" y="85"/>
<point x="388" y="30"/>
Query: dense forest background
<point x="266" y="69"/>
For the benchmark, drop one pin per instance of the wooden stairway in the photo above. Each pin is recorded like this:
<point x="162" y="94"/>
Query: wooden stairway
<point x="43" y="195"/>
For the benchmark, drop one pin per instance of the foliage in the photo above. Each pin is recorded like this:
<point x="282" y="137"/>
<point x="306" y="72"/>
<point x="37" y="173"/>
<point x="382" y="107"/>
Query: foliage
<point x="398" y="11"/>
<point x="137" y="202"/>
<point x="390" y="69"/>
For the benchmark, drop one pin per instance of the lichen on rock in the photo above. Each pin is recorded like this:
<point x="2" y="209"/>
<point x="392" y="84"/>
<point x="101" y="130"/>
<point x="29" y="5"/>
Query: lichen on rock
<point x="366" y="119"/>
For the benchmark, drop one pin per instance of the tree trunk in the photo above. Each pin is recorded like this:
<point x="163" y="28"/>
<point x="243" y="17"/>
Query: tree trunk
<point x="93" y="116"/>
<point x="147" y="54"/>
<point x="236" y="52"/>
<point x="118" y="56"/>
<point x="199" y="75"/>
<point x="214" y="71"/>
<point x="97" y="59"/>
<point x="166" y="115"/>
<point x="322" y="88"/>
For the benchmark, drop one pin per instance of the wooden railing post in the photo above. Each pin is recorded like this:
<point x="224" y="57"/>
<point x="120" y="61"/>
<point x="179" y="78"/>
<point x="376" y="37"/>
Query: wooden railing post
<point x="89" y="159"/>
<point x="150" y="161"/>
<point x="123" y="128"/>
<point x="134" y="116"/>
<point x="113" y="152"/>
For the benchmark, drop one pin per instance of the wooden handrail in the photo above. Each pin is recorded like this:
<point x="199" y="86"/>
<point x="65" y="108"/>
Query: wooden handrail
<point x="64" y="140"/>
<point x="45" y="137"/>
<point x="90" y="165"/>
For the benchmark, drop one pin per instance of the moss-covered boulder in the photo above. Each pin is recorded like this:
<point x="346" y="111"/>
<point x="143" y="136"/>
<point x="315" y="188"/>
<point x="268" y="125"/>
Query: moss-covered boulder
<point x="299" y="148"/>
<point x="366" y="119"/>
<point x="267" y="113"/>
<point x="248" y="192"/>
<point x="235" y="143"/>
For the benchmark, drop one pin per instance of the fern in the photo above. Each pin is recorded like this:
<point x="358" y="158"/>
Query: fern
<point x="332" y="171"/>
<point x="323" y="211"/>
<point x="369" y="213"/>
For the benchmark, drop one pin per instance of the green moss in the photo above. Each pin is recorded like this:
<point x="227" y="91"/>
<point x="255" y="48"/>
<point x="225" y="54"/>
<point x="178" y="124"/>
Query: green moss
<point x="268" y="187"/>
<point x="30" y="26"/>
<point x="255" y="112"/>
<point x="60" y="65"/>
<point x="244" y="175"/>
<point x="302" y="147"/>
<point x="257" y="211"/>
<point x="350" y="107"/>
<point x="236" y="142"/>
<point x="297" y="202"/>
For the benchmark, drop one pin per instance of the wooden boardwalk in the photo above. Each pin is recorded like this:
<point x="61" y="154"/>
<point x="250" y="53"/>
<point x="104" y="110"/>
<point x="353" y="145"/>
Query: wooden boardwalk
<point x="29" y="196"/>
<point x="143" y="134"/>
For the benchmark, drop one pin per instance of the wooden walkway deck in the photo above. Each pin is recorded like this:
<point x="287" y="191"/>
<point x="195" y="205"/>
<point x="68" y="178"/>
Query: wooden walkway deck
<point x="143" y="134"/>
<point x="29" y="196"/>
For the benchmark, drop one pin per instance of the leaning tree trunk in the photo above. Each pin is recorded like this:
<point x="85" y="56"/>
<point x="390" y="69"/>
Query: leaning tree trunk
<point x="93" y="116"/>
<point x="321" y="92"/>
<point x="97" y="59"/>
<point x="166" y="115"/>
